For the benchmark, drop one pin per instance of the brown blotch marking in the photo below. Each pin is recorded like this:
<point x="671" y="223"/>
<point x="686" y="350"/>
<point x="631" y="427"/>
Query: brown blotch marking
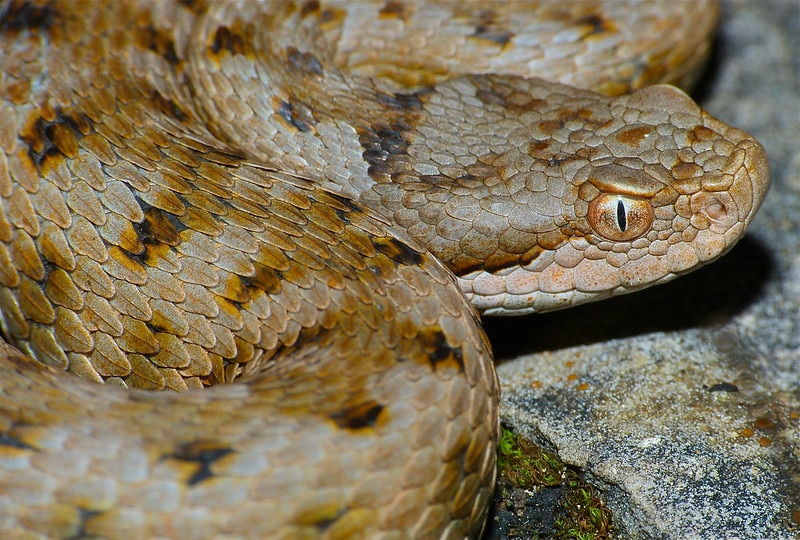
<point x="347" y="204"/>
<point x="499" y="261"/>
<point x="327" y="17"/>
<point x="9" y="441"/>
<point x="358" y="417"/>
<point x="405" y="103"/>
<point x="304" y="62"/>
<point x="158" y="227"/>
<point x="159" y="233"/>
<point x="235" y="289"/>
<point x="583" y="114"/>
<point x="440" y="353"/>
<point x="566" y="114"/>
<point x="388" y="138"/>
<point x="461" y="264"/>
<point x="394" y="9"/>
<point x="47" y="269"/>
<point x="309" y="7"/>
<point x="159" y="41"/>
<point x="55" y="137"/>
<point x="701" y="133"/>
<point x="169" y="107"/>
<point x="539" y="149"/>
<point x="195" y="6"/>
<point x="17" y="16"/>
<point x="491" y="265"/>
<point x="330" y="17"/>
<point x="84" y="527"/>
<point x="633" y="136"/>
<point x="531" y="255"/>
<point x="322" y="525"/>
<point x="495" y="35"/>
<point x="295" y="114"/>
<point x="597" y="24"/>
<point x="486" y="27"/>
<point x="344" y="207"/>
<point x="265" y="279"/>
<point x="548" y="127"/>
<point x="232" y="41"/>
<point x="381" y="143"/>
<point x="203" y="455"/>
<point x="155" y="328"/>
<point x="342" y="215"/>
<point x="491" y="96"/>
<point x="397" y="251"/>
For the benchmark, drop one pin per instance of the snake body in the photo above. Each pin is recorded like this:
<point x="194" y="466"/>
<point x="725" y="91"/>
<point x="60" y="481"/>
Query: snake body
<point x="291" y="198"/>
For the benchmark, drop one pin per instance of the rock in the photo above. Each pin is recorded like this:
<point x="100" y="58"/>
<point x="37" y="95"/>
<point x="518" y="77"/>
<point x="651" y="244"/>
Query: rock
<point x="682" y="403"/>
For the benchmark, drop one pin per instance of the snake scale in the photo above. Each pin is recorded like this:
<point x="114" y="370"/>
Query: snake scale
<point x="314" y="201"/>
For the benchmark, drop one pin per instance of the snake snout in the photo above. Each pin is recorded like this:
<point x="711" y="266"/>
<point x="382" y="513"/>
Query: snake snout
<point x="728" y="201"/>
<point x="753" y="178"/>
<point x="748" y="181"/>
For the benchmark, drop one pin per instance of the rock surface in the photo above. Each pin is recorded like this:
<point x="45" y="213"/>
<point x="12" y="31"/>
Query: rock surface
<point x="682" y="403"/>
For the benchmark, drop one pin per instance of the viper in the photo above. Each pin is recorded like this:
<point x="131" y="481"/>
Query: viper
<point x="289" y="216"/>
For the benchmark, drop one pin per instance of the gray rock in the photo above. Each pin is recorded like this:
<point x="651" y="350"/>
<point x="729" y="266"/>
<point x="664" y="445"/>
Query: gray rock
<point x="682" y="403"/>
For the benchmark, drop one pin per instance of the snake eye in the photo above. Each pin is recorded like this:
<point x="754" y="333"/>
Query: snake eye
<point x="620" y="218"/>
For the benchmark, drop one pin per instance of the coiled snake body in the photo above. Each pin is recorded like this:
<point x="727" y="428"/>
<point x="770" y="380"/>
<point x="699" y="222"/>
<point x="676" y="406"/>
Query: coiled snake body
<point x="196" y="193"/>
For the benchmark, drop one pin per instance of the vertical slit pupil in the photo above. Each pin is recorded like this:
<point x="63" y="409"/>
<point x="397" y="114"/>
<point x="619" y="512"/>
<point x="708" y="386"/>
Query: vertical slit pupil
<point x="622" y="220"/>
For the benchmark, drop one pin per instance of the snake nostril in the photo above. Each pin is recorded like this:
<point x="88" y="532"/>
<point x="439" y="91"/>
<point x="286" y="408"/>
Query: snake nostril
<point x="716" y="210"/>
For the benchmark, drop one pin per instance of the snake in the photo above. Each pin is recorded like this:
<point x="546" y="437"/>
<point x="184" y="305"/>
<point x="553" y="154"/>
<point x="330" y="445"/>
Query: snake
<point x="291" y="216"/>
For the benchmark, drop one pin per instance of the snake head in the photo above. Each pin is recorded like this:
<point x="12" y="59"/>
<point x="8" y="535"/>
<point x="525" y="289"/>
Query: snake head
<point x="651" y="188"/>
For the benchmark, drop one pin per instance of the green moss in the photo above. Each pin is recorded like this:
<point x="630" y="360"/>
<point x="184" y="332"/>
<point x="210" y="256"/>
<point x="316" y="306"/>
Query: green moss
<point x="526" y="465"/>
<point x="583" y="514"/>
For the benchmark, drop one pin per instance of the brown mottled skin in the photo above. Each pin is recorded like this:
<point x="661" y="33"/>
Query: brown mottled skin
<point x="310" y="201"/>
